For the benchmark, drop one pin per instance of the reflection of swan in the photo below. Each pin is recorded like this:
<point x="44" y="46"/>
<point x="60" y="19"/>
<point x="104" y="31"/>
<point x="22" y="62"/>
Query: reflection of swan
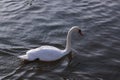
<point x="50" y="53"/>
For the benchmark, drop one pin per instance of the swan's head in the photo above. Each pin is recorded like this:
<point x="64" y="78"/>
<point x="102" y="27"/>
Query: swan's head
<point x="77" y="29"/>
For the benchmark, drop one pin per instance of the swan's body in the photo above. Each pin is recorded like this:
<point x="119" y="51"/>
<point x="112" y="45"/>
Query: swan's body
<point x="45" y="53"/>
<point x="50" y="53"/>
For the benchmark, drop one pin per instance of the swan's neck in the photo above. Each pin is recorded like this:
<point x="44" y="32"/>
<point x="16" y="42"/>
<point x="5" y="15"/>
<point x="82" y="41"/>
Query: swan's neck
<point x="68" y="42"/>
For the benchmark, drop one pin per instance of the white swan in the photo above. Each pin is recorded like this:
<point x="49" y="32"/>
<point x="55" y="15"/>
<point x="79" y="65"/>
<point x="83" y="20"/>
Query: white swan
<point x="50" y="53"/>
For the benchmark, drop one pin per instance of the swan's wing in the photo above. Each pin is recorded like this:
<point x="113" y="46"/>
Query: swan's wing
<point x="49" y="54"/>
<point x="44" y="53"/>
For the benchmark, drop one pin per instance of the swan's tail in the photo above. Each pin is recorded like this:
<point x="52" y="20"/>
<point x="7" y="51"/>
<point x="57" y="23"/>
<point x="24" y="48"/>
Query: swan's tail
<point x="24" y="57"/>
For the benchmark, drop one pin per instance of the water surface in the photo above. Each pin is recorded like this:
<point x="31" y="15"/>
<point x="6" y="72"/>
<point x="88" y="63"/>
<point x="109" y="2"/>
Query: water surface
<point x="96" y="55"/>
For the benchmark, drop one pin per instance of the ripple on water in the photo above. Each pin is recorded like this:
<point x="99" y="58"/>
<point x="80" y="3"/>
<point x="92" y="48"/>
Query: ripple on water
<point x="35" y="70"/>
<point x="25" y="26"/>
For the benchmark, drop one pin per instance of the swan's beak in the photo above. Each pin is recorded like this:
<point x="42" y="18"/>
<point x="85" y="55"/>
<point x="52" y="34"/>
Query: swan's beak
<point x="80" y="32"/>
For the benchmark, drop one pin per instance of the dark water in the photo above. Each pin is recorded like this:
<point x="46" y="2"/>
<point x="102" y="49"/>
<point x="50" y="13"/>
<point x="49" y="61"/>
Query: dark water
<point x="96" y="55"/>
